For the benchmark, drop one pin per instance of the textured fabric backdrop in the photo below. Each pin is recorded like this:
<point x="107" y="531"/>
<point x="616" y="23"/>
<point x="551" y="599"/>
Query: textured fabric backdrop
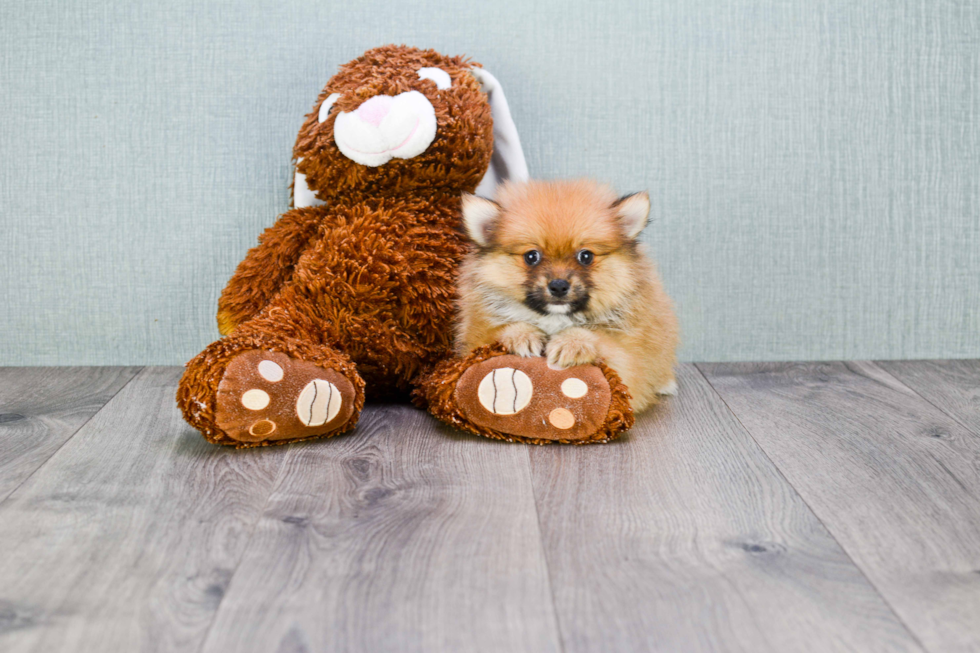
<point x="814" y="165"/>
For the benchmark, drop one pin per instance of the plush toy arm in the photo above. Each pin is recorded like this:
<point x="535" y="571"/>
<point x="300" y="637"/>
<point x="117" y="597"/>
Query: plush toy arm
<point x="267" y="266"/>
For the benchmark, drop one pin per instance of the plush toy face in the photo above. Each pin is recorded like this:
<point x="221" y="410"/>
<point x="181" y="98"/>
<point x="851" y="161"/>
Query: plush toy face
<point x="397" y="117"/>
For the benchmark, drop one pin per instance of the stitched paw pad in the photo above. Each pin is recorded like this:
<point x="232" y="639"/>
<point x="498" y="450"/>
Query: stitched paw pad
<point x="268" y="396"/>
<point x="524" y="397"/>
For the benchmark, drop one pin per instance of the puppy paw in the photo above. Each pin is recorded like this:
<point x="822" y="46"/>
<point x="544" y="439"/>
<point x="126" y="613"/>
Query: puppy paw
<point x="572" y="347"/>
<point x="522" y="339"/>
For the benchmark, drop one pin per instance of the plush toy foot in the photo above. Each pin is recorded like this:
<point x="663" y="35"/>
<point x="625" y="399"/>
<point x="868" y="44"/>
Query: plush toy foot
<point x="267" y="396"/>
<point x="499" y="395"/>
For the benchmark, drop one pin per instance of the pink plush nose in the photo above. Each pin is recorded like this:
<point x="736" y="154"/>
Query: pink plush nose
<point x="375" y="109"/>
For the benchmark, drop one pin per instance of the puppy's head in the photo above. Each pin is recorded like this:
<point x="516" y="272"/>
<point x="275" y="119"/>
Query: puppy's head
<point x="558" y="248"/>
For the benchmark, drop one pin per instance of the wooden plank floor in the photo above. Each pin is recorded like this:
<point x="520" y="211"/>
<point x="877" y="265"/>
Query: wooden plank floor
<point x="767" y="507"/>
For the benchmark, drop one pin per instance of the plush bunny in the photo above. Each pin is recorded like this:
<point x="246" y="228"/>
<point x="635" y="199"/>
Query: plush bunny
<point x="353" y="289"/>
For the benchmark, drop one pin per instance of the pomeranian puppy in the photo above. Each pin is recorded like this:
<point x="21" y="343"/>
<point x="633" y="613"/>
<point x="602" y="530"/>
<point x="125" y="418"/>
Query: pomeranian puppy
<point x="557" y="271"/>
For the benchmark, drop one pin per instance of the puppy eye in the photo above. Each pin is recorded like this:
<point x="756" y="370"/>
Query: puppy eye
<point x="327" y="105"/>
<point x="533" y="257"/>
<point x="437" y="75"/>
<point x="585" y="257"/>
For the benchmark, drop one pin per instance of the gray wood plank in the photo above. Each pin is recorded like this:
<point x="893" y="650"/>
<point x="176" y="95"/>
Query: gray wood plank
<point x="127" y="538"/>
<point x="953" y="386"/>
<point x="682" y="536"/>
<point x="403" y="536"/>
<point x="894" y="479"/>
<point x="41" y="407"/>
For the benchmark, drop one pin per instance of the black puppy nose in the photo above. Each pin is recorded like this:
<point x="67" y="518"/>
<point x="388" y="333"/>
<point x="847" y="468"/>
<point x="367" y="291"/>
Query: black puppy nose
<point x="558" y="287"/>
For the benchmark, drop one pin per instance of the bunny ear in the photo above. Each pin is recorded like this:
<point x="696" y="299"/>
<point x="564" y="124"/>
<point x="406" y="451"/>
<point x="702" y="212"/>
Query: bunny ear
<point x="302" y="195"/>
<point x="507" y="162"/>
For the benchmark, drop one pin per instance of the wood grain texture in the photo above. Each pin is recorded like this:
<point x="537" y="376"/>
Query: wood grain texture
<point x="403" y="536"/>
<point x="127" y="538"/>
<point x="894" y="479"/>
<point x="683" y="536"/>
<point x="952" y="386"/>
<point x="40" y="408"/>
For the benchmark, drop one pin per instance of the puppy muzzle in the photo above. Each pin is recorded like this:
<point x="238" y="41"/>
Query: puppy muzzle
<point x="546" y="303"/>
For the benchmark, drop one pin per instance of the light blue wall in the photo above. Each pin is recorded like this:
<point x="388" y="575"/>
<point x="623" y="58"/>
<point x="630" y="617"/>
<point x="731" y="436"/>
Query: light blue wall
<point x="814" y="165"/>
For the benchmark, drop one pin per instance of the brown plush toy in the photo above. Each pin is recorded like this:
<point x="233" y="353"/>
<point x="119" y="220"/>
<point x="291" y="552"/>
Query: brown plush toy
<point x="353" y="289"/>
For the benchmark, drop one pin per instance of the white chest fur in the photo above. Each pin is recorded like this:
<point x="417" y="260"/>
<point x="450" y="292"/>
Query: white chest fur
<point x="552" y="324"/>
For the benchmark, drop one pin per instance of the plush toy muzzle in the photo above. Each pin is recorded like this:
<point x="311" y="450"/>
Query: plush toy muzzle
<point x="385" y="128"/>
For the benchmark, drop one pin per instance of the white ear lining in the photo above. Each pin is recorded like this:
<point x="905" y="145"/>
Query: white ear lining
<point x="302" y="195"/>
<point x="478" y="213"/>
<point x="633" y="211"/>
<point x="507" y="162"/>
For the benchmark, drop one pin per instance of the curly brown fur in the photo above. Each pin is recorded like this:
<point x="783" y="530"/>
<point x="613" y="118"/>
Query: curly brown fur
<point x="364" y="284"/>
<point x="266" y="267"/>
<point x="436" y="389"/>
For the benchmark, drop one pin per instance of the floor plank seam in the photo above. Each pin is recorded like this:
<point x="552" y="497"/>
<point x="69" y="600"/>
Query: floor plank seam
<point x="544" y="554"/>
<point x="816" y="515"/>
<point x="71" y="437"/>
<point x="245" y="548"/>
<point x="942" y="410"/>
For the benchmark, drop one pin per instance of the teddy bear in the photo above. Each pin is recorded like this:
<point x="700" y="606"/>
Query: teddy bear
<point x="352" y="290"/>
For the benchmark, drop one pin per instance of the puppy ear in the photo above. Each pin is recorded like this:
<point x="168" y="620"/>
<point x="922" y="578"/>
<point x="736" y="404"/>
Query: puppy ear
<point x="633" y="212"/>
<point x="479" y="215"/>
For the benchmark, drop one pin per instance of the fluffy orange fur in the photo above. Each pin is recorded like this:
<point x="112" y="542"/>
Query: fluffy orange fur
<point x="614" y="309"/>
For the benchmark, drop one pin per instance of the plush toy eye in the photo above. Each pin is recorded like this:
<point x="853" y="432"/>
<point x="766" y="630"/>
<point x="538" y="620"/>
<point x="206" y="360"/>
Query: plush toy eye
<point x="585" y="257"/>
<point x="437" y="75"/>
<point x="327" y="104"/>
<point x="532" y="257"/>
